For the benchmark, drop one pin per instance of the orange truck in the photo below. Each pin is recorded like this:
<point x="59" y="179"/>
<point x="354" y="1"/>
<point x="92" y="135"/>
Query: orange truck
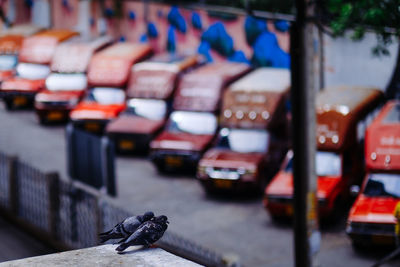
<point x="10" y="45"/>
<point x="342" y="114"/>
<point x="252" y="141"/>
<point x="151" y="86"/>
<point x="107" y="78"/>
<point x="33" y="67"/>
<point x="192" y="125"/>
<point x="66" y="85"/>
<point x="371" y="219"/>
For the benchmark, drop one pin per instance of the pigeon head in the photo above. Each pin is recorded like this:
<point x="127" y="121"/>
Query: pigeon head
<point x="148" y="215"/>
<point x="161" y="219"/>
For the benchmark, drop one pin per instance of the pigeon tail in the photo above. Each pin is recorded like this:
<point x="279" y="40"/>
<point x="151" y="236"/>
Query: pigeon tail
<point x="121" y="247"/>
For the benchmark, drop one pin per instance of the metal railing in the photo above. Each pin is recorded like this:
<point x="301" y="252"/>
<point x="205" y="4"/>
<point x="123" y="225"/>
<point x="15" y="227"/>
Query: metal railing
<point x="67" y="215"/>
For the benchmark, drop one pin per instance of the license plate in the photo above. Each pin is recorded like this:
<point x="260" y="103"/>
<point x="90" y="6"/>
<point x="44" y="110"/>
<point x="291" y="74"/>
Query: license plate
<point x="381" y="240"/>
<point x="20" y="101"/>
<point x="225" y="184"/>
<point x="289" y="210"/>
<point x="92" y="126"/>
<point x="54" y="115"/>
<point x="173" y="161"/>
<point x="126" y="144"/>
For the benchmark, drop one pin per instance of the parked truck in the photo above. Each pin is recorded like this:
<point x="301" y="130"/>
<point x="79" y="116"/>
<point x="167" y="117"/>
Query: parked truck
<point x="33" y="67"/>
<point x="192" y="125"/>
<point x="66" y="85"/>
<point x="371" y="219"/>
<point x="107" y="78"/>
<point x="150" y="89"/>
<point x="342" y="114"/>
<point x="252" y="140"/>
<point x="10" y="45"/>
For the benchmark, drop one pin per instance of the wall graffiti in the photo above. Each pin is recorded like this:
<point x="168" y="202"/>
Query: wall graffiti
<point x="218" y="36"/>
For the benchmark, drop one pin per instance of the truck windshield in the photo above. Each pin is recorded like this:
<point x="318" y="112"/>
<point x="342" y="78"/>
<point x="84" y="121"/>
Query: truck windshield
<point x="193" y="122"/>
<point x="106" y="95"/>
<point x="244" y="140"/>
<point x="32" y="71"/>
<point x="66" y="82"/>
<point x="383" y="185"/>
<point x="8" y="62"/>
<point x="326" y="164"/>
<point x="152" y="109"/>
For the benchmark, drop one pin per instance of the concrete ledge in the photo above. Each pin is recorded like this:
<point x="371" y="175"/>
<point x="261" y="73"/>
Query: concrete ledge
<point x="105" y="256"/>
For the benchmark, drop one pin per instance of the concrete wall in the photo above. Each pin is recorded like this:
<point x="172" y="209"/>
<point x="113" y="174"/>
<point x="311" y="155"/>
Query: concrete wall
<point x="352" y="63"/>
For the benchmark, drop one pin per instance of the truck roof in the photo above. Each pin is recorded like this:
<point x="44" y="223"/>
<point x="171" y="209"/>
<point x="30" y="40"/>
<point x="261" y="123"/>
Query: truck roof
<point x="382" y="141"/>
<point x="201" y="89"/>
<point x="257" y="100"/>
<point x="40" y="47"/>
<point x="74" y="57"/>
<point x="111" y="66"/>
<point x="264" y="79"/>
<point x="156" y="77"/>
<point x="339" y="110"/>
<point x="24" y="30"/>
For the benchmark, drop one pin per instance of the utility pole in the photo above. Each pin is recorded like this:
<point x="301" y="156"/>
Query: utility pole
<point x="304" y="51"/>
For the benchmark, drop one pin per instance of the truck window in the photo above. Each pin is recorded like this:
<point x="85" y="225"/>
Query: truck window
<point x="326" y="164"/>
<point x="106" y="96"/>
<point x="66" y="82"/>
<point x="152" y="109"/>
<point x="193" y="122"/>
<point x="383" y="185"/>
<point x="32" y="71"/>
<point x="244" y="140"/>
<point x="8" y="62"/>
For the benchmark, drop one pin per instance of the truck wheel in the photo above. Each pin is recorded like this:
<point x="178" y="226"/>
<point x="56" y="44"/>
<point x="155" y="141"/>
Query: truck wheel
<point x="9" y="104"/>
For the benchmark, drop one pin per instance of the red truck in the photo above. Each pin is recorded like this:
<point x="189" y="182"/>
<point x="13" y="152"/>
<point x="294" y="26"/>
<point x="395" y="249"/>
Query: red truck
<point x="248" y="147"/>
<point x="192" y="126"/>
<point x="371" y="219"/>
<point x="10" y="45"/>
<point x="35" y="56"/>
<point x="66" y="85"/>
<point x="342" y="114"/>
<point x="107" y="76"/>
<point x="151" y="86"/>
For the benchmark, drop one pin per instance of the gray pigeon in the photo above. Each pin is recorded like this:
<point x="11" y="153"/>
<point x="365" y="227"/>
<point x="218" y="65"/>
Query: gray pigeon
<point x="147" y="233"/>
<point x="125" y="228"/>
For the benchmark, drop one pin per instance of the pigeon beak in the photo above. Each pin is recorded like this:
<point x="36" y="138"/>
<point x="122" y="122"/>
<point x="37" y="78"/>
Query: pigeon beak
<point x="167" y="222"/>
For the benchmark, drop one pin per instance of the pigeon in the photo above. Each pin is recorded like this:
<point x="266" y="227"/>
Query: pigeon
<point x="125" y="228"/>
<point x="147" y="233"/>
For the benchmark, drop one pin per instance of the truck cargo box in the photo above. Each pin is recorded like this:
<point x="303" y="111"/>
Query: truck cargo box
<point x="201" y="89"/>
<point x="74" y="57"/>
<point x="257" y="100"/>
<point x="156" y="78"/>
<point x="111" y="66"/>
<point x="40" y="48"/>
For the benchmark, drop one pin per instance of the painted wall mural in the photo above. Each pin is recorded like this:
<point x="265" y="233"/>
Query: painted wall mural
<point x="215" y="35"/>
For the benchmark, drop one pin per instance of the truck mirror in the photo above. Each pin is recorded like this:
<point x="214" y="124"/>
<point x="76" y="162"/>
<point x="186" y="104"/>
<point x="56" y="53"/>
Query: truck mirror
<point x="354" y="190"/>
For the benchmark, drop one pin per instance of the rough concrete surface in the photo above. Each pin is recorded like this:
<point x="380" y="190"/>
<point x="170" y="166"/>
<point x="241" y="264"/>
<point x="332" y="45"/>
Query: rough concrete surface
<point x="105" y="256"/>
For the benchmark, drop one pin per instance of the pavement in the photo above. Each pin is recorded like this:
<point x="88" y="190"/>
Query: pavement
<point x="16" y="244"/>
<point x="226" y="225"/>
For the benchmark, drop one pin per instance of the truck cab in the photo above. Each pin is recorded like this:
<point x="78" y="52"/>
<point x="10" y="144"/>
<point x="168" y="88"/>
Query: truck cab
<point x="150" y="89"/>
<point x="371" y="219"/>
<point x="342" y="114"/>
<point x="10" y="45"/>
<point x="252" y="140"/>
<point x="33" y="67"/>
<point x="66" y="84"/>
<point x="107" y="77"/>
<point x="193" y="124"/>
